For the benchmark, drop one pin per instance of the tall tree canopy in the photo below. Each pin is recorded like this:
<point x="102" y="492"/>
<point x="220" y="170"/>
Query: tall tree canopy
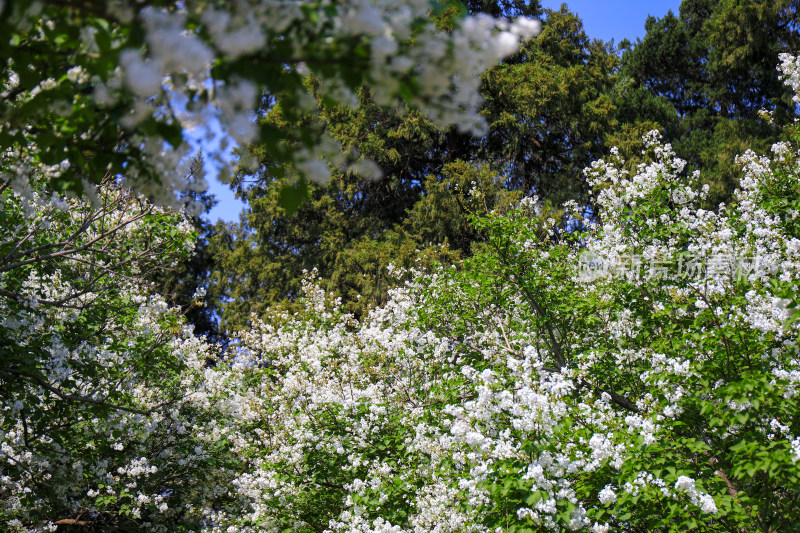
<point x="700" y="76"/>
<point x="704" y="74"/>
<point x="548" y="109"/>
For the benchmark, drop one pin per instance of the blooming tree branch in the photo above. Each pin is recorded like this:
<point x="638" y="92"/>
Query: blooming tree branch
<point x="97" y="88"/>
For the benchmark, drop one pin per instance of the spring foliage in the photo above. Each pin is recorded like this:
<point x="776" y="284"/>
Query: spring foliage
<point x="548" y="110"/>
<point x="639" y="372"/>
<point x="529" y="390"/>
<point x="96" y="370"/>
<point x="700" y="77"/>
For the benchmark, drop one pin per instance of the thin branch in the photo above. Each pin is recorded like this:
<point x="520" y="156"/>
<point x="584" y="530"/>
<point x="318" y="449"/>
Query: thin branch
<point x="731" y="489"/>
<point x="618" y="399"/>
<point x="71" y="522"/>
<point x="71" y="397"/>
<point x="24" y="428"/>
<point x="503" y="330"/>
<point x="73" y="250"/>
<point x="92" y="217"/>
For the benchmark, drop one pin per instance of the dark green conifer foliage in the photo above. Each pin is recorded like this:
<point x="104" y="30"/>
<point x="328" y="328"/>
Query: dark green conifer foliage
<point x="505" y="8"/>
<point x="179" y="284"/>
<point x="548" y="110"/>
<point x="713" y="64"/>
<point x="700" y="76"/>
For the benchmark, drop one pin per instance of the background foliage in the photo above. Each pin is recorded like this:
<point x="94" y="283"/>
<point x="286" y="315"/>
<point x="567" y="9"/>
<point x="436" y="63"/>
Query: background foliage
<point x="561" y="102"/>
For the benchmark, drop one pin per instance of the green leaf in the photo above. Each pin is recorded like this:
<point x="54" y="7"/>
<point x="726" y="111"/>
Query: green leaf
<point x="293" y="196"/>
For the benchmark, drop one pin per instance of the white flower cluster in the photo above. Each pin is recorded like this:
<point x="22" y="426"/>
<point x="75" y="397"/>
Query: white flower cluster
<point x="686" y="485"/>
<point x="511" y="391"/>
<point x="790" y="73"/>
<point x="215" y="65"/>
<point x="86" y="417"/>
<point x="466" y="399"/>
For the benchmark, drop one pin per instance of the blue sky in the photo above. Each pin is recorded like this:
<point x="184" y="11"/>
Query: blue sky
<point x="607" y="20"/>
<point x="616" y="19"/>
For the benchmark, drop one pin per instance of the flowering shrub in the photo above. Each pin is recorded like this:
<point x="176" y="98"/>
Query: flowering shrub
<point x="97" y="426"/>
<point x="638" y="371"/>
<point x="639" y="374"/>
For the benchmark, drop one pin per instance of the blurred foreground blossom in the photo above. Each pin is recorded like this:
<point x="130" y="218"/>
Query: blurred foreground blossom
<point x="110" y="87"/>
